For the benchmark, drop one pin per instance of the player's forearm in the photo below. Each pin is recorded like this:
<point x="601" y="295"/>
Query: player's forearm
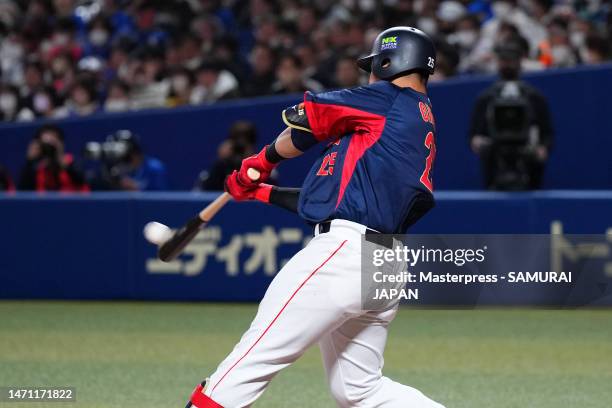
<point x="282" y="148"/>
<point x="285" y="197"/>
<point x="285" y="146"/>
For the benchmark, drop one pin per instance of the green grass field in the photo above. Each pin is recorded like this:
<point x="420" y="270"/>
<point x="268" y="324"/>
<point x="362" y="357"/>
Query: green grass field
<point x="152" y="354"/>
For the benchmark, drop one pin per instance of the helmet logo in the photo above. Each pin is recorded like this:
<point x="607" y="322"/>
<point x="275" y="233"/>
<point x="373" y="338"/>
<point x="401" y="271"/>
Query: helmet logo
<point x="430" y="62"/>
<point x="388" y="43"/>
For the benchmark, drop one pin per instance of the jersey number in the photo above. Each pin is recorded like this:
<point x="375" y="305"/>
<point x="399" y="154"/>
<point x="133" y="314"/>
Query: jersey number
<point x="327" y="167"/>
<point x="426" y="176"/>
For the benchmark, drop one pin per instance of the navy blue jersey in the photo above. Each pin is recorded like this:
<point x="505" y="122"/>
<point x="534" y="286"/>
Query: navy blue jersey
<point x="377" y="167"/>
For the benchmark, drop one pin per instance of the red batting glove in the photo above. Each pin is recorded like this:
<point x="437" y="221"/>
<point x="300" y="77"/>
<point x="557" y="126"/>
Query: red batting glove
<point x="259" y="163"/>
<point x="262" y="193"/>
<point x="240" y="192"/>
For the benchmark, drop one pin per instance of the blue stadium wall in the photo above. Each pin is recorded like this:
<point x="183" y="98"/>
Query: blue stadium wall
<point x="91" y="246"/>
<point x="187" y="138"/>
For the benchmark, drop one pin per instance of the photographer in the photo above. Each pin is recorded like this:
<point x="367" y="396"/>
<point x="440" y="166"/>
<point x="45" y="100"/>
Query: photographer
<point x="122" y="165"/>
<point x="511" y="129"/>
<point x="48" y="167"/>
<point x="239" y="144"/>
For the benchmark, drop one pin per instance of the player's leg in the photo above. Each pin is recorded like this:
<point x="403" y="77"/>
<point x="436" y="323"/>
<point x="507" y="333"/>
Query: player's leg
<point x="301" y="304"/>
<point x="353" y="358"/>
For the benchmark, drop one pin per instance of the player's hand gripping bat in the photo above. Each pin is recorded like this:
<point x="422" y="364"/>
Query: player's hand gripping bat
<point x="171" y="248"/>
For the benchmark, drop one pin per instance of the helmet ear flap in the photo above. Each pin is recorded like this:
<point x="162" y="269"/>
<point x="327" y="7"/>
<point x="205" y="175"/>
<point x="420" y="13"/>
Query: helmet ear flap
<point x="382" y="66"/>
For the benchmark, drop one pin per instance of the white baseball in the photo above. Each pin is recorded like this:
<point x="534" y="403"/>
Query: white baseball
<point x="157" y="233"/>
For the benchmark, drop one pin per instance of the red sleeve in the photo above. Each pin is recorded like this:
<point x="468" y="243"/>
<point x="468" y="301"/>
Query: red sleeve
<point x="328" y="119"/>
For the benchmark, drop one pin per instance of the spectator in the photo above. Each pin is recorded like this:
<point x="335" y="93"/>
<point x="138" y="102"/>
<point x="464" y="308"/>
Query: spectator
<point x="99" y="34"/>
<point x="306" y="53"/>
<point x="464" y="38"/>
<point x="40" y="104"/>
<point x="291" y="79"/>
<point x="62" y="41"/>
<point x="266" y="31"/>
<point x="48" y="166"/>
<point x="226" y="53"/>
<point x="118" y="99"/>
<point x="63" y="73"/>
<point x="10" y="103"/>
<point x="347" y="73"/>
<point x="306" y="21"/>
<point x="181" y="82"/>
<point x="262" y="78"/>
<point x="36" y="22"/>
<point x="511" y="128"/>
<point x="64" y="8"/>
<point x="6" y="183"/>
<point x="12" y="54"/>
<point x="118" y="62"/>
<point x="448" y="14"/>
<point x="191" y="52"/>
<point x="240" y="143"/>
<point x="82" y="100"/>
<point x="402" y="14"/>
<point x="597" y="49"/>
<point x="510" y="12"/>
<point x="205" y="29"/>
<point x="213" y="83"/>
<point x="556" y="50"/>
<point x="148" y="88"/>
<point x="447" y="60"/>
<point x="34" y="78"/>
<point x="143" y="43"/>
<point x="172" y="55"/>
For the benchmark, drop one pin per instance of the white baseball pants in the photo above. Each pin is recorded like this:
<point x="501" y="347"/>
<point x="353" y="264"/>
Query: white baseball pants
<point x="316" y="298"/>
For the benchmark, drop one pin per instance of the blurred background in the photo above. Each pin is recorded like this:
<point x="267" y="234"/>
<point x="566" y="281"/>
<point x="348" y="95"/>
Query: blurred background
<point x="519" y="92"/>
<point x="114" y="113"/>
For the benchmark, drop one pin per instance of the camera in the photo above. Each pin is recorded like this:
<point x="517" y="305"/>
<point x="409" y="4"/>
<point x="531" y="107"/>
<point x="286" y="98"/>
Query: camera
<point x="510" y="122"/>
<point x="111" y="150"/>
<point x="107" y="151"/>
<point x="111" y="159"/>
<point x="48" y="151"/>
<point x="509" y="117"/>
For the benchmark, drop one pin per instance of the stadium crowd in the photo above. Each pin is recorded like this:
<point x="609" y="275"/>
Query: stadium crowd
<point x="62" y="58"/>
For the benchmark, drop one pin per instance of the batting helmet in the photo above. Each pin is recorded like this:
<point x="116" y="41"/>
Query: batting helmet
<point x="399" y="50"/>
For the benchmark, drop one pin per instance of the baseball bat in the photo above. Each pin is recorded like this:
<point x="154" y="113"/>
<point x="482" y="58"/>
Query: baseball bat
<point x="170" y="249"/>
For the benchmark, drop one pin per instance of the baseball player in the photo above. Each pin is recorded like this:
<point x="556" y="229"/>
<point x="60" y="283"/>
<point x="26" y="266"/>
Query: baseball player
<point x="373" y="177"/>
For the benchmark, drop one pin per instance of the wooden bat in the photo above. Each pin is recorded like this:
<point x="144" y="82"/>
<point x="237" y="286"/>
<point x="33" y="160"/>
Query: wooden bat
<point x="172" y="248"/>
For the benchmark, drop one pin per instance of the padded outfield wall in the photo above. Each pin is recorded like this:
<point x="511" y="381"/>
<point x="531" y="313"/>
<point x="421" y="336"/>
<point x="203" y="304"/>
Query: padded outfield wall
<point x="91" y="246"/>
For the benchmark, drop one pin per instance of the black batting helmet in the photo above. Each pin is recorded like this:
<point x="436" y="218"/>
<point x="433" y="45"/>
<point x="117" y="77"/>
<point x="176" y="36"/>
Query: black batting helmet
<point x="399" y="50"/>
